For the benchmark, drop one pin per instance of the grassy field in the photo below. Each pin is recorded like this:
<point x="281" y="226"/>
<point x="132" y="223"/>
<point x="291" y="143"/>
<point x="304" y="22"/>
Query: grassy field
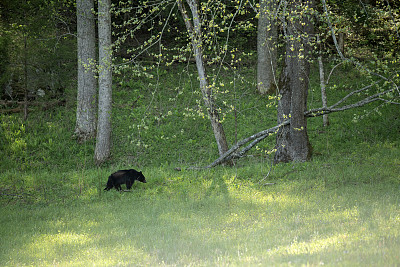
<point x="341" y="208"/>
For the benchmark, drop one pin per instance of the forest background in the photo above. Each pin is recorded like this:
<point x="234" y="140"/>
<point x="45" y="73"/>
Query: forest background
<point x="339" y="203"/>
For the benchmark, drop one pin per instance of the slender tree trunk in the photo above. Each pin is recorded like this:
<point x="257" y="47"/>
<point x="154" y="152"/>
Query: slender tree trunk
<point x="292" y="143"/>
<point x="103" y="139"/>
<point x="266" y="48"/>
<point x="25" y="77"/>
<point x="195" y="35"/>
<point x="86" y="98"/>
<point x="323" y="89"/>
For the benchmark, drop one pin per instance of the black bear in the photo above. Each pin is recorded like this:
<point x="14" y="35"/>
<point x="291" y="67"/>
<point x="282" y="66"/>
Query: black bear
<point x="127" y="177"/>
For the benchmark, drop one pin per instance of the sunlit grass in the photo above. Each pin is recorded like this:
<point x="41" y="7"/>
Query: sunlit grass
<point x="208" y="218"/>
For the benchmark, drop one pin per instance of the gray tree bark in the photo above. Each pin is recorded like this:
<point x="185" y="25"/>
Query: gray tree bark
<point x="85" y="127"/>
<point x="266" y="48"/>
<point x="195" y="35"/>
<point x="103" y="138"/>
<point x="323" y="89"/>
<point x="292" y="143"/>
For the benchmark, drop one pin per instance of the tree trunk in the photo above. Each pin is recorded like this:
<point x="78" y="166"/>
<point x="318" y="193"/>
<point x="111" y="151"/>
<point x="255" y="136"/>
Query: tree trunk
<point x="323" y="90"/>
<point x="195" y="35"/>
<point x="266" y="48"/>
<point x="103" y="138"/>
<point x="25" y="77"/>
<point x="292" y="143"/>
<point x="86" y="98"/>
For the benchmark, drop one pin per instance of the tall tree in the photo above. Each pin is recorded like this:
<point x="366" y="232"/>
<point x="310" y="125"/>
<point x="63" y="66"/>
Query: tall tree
<point x="193" y="26"/>
<point x="292" y="143"/>
<point x="266" y="47"/>
<point x="103" y="138"/>
<point x="86" y="98"/>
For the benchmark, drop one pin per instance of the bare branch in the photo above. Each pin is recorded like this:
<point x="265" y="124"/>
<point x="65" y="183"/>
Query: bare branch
<point x="320" y="111"/>
<point x="329" y="76"/>
<point x="388" y="101"/>
<point x="351" y="94"/>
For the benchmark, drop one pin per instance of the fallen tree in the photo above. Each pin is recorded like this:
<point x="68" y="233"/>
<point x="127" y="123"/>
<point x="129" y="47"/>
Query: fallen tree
<point x="235" y="153"/>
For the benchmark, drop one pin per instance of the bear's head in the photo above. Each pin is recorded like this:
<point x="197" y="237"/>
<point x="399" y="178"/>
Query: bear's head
<point x="141" y="178"/>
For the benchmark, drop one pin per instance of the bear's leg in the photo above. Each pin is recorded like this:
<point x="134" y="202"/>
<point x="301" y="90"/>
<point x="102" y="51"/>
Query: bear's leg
<point x="129" y="185"/>
<point x="109" y="184"/>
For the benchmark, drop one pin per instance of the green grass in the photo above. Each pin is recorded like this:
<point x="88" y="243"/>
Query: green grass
<point x="215" y="217"/>
<point x="341" y="208"/>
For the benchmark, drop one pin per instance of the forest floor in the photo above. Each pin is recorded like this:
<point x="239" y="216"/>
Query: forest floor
<point x="340" y="208"/>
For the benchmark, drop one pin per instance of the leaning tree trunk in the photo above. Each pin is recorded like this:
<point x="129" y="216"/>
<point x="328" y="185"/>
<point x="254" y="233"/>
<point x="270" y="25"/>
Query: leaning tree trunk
<point x="86" y="99"/>
<point x="195" y="36"/>
<point x="292" y="143"/>
<point x="103" y="138"/>
<point x="266" y="48"/>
